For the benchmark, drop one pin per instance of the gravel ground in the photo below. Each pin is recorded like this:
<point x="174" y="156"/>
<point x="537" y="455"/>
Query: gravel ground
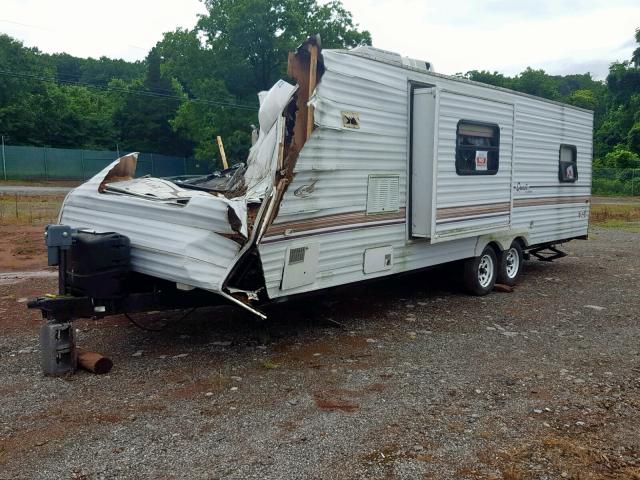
<point x="405" y="378"/>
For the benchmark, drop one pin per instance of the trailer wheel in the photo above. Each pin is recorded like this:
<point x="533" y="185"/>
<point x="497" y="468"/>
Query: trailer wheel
<point x="511" y="264"/>
<point x="480" y="272"/>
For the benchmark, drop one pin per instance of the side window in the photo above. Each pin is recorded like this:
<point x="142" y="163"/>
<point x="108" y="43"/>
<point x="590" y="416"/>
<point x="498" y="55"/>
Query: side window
<point x="477" y="148"/>
<point x="568" y="168"/>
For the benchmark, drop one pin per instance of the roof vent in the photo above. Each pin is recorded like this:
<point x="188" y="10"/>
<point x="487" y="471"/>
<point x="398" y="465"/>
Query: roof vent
<point x="417" y="64"/>
<point x="377" y="54"/>
<point x="390" y="57"/>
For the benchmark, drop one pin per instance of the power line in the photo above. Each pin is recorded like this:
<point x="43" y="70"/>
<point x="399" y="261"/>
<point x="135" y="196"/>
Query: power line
<point x="146" y="93"/>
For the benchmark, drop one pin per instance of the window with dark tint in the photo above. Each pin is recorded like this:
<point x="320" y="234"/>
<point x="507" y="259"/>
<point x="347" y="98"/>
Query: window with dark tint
<point x="568" y="171"/>
<point x="477" y="148"/>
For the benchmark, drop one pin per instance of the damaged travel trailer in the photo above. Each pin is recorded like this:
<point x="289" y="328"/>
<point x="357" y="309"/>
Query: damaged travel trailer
<point x="370" y="165"/>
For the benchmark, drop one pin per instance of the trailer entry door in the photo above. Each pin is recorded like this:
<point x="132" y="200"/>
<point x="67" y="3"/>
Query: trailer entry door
<point x="423" y="106"/>
<point x="473" y="166"/>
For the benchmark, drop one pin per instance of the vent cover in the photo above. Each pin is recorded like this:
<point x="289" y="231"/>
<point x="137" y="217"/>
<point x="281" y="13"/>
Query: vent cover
<point x="383" y="193"/>
<point x="296" y="255"/>
<point x="300" y="266"/>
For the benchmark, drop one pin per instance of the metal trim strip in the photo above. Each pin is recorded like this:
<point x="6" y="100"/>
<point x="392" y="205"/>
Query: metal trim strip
<point x="474" y="217"/>
<point x="468" y="211"/>
<point x="327" y="221"/>
<point x="538" y="201"/>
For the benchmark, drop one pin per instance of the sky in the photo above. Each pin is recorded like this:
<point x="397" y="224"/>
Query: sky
<point x="572" y="36"/>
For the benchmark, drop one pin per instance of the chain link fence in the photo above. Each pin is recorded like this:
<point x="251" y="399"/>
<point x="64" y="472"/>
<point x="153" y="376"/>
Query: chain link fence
<point x="616" y="181"/>
<point x="43" y="163"/>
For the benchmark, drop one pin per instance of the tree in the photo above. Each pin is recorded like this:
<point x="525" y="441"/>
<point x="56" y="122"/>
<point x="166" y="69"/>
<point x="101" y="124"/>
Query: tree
<point x="103" y="70"/>
<point x="185" y="58"/>
<point x="245" y="48"/>
<point x="144" y="116"/>
<point x="68" y="68"/>
<point x="620" y="157"/>
<point x="635" y="58"/>
<point x="250" y="39"/>
<point x="202" y="122"/>
<point x="623" y="82"/>
<point x="538" y="83"/>
<point x="583" y="98"/>
<point x="484" y="76"/>
<point x="335" y="25"/>
<point x="633" y="138"/>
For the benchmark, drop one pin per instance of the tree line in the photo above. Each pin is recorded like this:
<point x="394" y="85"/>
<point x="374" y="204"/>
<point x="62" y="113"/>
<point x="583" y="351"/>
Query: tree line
<point x="202" y="82"/>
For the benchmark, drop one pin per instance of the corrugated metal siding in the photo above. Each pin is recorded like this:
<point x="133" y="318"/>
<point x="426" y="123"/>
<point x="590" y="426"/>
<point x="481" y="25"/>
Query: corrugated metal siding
<point x="540" y="129"/>
<point x="177" y="243"/>
<point x="549" y="223"/>
<point x="341" y="256"/>
<point x="338" y="160"/>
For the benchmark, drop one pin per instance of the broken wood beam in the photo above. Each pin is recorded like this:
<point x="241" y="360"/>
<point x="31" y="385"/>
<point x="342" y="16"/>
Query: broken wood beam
<point x="222" y="154"/>
<point x="313" y="70"/>
<point x="94" y="362"/>
<point x="500" y="287"/>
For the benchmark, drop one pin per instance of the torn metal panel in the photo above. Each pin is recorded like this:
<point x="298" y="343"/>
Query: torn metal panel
<point x="184" y="242"/>
<point x="263" y="156"/>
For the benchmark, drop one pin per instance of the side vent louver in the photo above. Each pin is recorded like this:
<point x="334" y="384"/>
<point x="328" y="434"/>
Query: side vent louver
<point x="383" y="194"/>
<point x="296" y="255"/>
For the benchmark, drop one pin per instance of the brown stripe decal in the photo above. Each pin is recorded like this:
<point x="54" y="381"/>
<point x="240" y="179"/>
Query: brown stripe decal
<point x="534" y="202"/>
<point x="333" y="221"/>
<point x="470" y="211"/>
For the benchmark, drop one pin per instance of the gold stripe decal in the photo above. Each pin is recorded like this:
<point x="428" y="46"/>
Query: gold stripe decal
<point x="534" y="202"/>
<point x="470" y="211"/>
<point x="328" y="221"/>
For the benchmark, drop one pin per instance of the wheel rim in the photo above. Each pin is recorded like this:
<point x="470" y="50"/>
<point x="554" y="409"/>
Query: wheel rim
<point x="485" y="271"/>
<point x="512" y="263"/>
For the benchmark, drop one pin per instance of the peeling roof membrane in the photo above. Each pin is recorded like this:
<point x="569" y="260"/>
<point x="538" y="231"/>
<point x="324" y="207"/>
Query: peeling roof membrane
<point x="263" y="156"/>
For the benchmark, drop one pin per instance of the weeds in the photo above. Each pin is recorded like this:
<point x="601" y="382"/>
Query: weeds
<point x="269" y="365"/>
<point x="20" y="210"/>
<point x="625" y="217"/>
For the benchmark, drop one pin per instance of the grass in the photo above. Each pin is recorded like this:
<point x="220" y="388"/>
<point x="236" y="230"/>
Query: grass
<point x="22" y="210"/>
<point x="623" y="217"/>
<point x="269" y="364"/>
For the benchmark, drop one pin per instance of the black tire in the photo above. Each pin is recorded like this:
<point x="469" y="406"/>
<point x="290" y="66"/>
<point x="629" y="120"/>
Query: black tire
<point x="480" y="273"/>
<point x="511" y="265"/>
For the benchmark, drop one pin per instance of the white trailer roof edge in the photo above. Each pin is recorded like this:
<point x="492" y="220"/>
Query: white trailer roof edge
<point x="383" y="59"/>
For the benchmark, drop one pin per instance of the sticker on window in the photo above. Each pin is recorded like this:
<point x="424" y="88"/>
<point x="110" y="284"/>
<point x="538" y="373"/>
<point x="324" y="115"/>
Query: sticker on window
<point x="481" y="159"/>
<point x="568" y="172"/>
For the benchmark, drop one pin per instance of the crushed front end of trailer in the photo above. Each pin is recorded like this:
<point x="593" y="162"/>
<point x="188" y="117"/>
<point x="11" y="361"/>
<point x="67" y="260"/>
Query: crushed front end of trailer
<point x="125" y="244"/>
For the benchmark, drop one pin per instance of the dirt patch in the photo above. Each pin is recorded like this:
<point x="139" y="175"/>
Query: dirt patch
<point x="22" y="248"/>
<point x="333" y="403"/>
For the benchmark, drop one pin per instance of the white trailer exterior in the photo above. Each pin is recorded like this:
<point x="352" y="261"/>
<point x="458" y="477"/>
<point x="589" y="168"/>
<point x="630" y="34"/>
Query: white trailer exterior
<point x="361" y="204"/>
<point x="402" y="169"/>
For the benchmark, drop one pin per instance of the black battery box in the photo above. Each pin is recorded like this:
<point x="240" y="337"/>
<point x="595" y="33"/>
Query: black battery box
<point x="98" y="265"/>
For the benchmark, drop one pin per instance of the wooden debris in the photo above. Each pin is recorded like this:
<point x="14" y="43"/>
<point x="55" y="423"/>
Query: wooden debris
<point x="313" y="69"/>
<point x="499" y="287"/>
<point x="94" y="362"/>
<point x="222" y="154"/>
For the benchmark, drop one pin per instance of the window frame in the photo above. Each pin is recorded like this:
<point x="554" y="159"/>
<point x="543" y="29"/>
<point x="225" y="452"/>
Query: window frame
<point x="464" y="172"/>
<point x="574" y="162"/>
